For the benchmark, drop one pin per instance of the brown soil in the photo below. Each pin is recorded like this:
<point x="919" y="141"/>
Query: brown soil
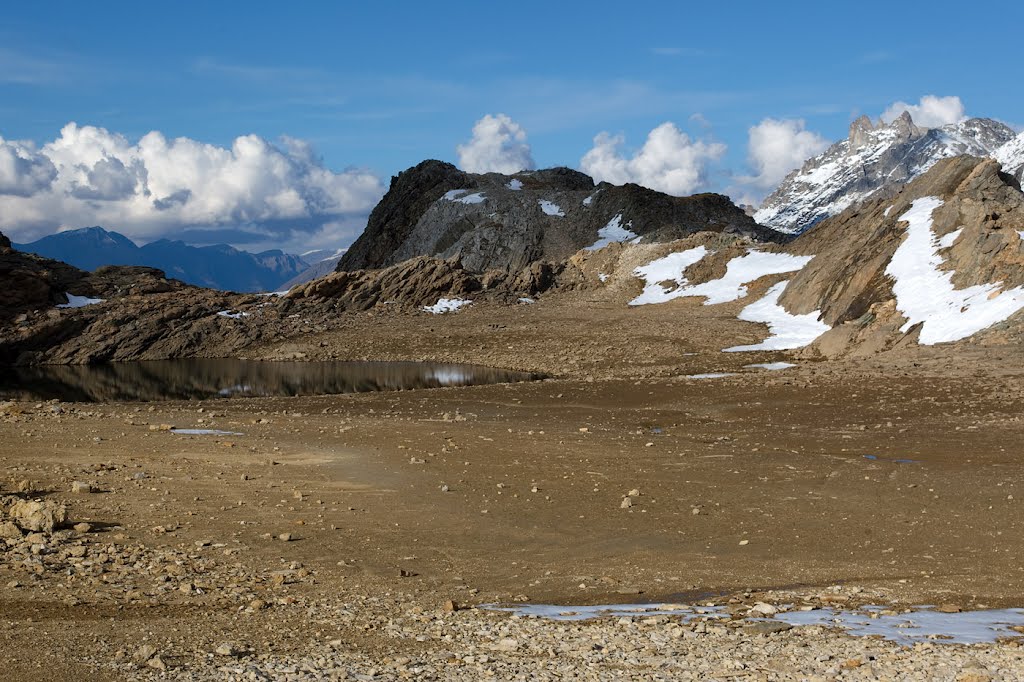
<point x="774" y="462"/>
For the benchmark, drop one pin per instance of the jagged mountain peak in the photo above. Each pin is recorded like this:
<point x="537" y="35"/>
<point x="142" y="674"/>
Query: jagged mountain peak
<point x="872" y="157"/>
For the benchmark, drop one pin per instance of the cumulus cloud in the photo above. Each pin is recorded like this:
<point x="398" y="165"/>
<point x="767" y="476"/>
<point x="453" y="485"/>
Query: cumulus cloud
<point x="498" y="146"/>
<point x="930" y="112"/>
<point x="669" y="161"/>
<point x="157" y="187"/>
<point x="776" y="147"/>
<point x="23" y="170"/>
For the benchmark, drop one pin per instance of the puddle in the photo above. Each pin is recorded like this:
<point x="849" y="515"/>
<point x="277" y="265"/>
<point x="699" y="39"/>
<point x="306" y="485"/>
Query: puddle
<point x="922" y="625"/>
<point x="200" y="379"/>
<point x="876" y="458"/>
<point x="563" y="613"/>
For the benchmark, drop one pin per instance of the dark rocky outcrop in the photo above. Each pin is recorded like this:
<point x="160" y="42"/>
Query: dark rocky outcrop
<point x="507" y="222"/>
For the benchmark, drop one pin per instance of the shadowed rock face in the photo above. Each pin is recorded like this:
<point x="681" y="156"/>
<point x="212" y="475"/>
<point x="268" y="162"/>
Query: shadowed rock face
<point x="506" y="222"/>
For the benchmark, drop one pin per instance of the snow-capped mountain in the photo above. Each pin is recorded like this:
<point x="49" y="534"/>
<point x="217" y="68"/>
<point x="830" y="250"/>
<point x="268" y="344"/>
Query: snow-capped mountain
<point x="873" y="157"/>
<point x="1011" y="156"/>
<point x="324" y="261"/>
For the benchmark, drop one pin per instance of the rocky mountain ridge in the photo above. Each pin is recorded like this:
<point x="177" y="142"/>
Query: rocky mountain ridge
<point x="506" y="222"/>
<point x="217" y="267"/>
<point x="873" y="158"/>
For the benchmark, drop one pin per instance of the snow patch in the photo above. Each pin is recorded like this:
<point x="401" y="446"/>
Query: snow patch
<point x="925" y="294"/>
<point x="79" y="301"/>
<point x="770" y="366"/>
<point x="614" y="232"/>
<point x="589" y="200"/>
<point x="515" y="184"/>
<point x="710" y="375"/>
<point x="446" y="305"/>
<point x="603" y="277"/>
<point x="787" y="330"/>
<point x="947" y="240"/>
<point x="667" y="269"/>
<point x="551" y="208"/>
<point x="233" y="316"/>
<point x="526" y="300"/>
<point x="748" y="268"/>
<point x="457" y="195"/>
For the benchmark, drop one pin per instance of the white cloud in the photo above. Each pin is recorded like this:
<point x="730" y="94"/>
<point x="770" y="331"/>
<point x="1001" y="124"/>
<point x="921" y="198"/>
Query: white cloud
<point x="157" y="187"/>
<point x="930" y="112"/>
<point x="23" y="170"/>
<point x="669" y="161"/>
<point x="775" y="147"/>
<point x="498" y="146"/>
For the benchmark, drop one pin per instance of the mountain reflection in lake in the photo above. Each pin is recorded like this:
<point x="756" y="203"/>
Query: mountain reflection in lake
<point x="220" y="378"/>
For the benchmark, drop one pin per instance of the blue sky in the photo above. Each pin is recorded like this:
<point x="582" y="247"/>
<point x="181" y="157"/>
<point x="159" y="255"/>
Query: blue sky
<point x="381" y="87"/>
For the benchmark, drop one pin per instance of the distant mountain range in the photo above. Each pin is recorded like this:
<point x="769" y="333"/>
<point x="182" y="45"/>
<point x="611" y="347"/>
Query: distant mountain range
<point x="323" y="262"/>
<point x="876" y="157"/>
<point x="217" y="267"/>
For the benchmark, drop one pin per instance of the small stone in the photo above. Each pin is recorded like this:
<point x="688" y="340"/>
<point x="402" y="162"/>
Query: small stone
<point x="144" y="653"/>
<point x="948" y="608"/>
<point x="744" y="542"/>
<point x="157" y="663"/>
<point x="226" y="650"/>
<point x="285" y="537"/>
<point x="768" y="627"/>
<point x="81" y="487"/>
<point x="695" y="511"/>
<point x="763" y="609"/>
<point x="635" y="492"/>
<point x="82" y="527"/>
<point x="450" y="606"/>
<point x="507" y="644"/>
<point x="627" y="502"/>
<point x="257" y="604"/>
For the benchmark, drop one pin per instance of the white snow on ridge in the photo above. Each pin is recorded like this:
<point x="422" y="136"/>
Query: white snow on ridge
<point x="740" y="271"/>
<point x="551" y="208"/>
<point x="446" y="305"/>
<point x="614" y="232"/>
<point x="926" y="294"/>
<point x="948" y="240"/>
<point x="788" y="331"/>
<point x="457" y="195"/>
<point x="669" y="268"/>
<point x="590" y="199"/>
<point x="79" y="301"/>
<point x="770" y="366"/>
<point x="515" y="184"/>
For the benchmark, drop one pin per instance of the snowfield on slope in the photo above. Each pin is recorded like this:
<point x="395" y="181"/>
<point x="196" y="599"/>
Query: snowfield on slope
<point x="614" y="232"/>
<point x="79" y="301"/>
<point x="788" y="331"/>
<point x="925" y="294"/>
<point x="730" y="287"/>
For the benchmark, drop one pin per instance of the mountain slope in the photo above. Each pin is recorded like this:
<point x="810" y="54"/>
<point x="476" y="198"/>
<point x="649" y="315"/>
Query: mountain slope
<point x="1011" y="156"/>
<point x="324" y="262"/>
<point x="872" y="158"/>
<point x="506" y="222"/>
<point x="218" y="267"/>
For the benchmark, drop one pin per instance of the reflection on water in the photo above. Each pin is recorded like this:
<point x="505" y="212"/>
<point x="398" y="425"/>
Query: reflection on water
<point x="213" y="378"/>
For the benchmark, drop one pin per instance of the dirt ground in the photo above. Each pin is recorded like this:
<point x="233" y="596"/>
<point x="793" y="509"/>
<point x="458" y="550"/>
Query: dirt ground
<point x="899" y="475"/>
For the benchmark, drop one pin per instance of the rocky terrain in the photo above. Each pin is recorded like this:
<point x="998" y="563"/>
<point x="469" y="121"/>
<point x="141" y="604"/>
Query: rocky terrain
<point x="508" y="222"/>
<point x="873" y="158"/>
